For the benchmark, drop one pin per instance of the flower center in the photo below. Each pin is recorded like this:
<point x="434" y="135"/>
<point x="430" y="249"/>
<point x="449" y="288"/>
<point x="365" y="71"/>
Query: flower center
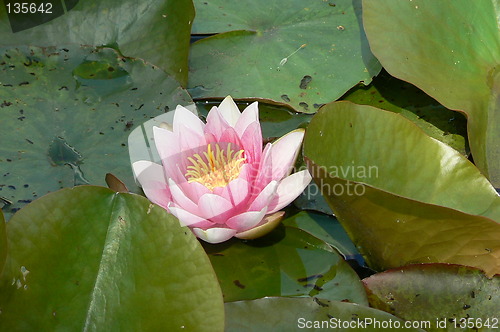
<point x="216" y="168"/>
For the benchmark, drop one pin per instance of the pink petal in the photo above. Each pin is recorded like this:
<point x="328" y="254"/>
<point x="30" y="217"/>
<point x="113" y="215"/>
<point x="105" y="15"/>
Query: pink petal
<point x="246" y="220"/>
<point x="229" y="111"/>
<point x="166" y="142"/>
<point x="187" y="218"/>
<point x="250" y="115"/>
<point x="265" y="171"/>
<point x="214" y="208"/>
<point x="230" y="136"/>
<point x="168" y="147"/>
<point x="214" y="235"/>
<point x="289" y="189"/>
<point x="188" y="119"/>
<point x="189" y="140"/>
<point x="236" y="192"/>
<point x="152" y="180"/>
<point x="147" y="171"/>
<point x="180" y="199"/>
<point x="175" y="168"/>
<point x="252" y="142"/>
<point x="216" y="124"/>
<point x="194" y="190"/>
<point x="264" y="197"/>
<point x="284" y="152"/>
<point x="247" y="172"/>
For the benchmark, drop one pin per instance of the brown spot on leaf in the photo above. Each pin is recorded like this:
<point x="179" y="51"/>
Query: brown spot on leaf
<point x="239" y="284"/>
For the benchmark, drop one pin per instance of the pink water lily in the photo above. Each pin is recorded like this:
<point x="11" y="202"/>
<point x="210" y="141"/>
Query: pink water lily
<point x="217" y="178"/>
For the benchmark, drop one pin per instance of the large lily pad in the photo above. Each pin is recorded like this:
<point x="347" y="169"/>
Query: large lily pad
<point x="391" y="94"/>
<point x="451" y="50"/>
<point x="157" y="31"/>
<point x="298" y="54"/>
<point x="66" y="115"/>
<point x="87" y="258"/>
<point x="287" y="262"/>
<point x="313" y="314"/>
<point x="384" y="150"/>
<point x="402" y="196"/>
<point x="449" y="296"/>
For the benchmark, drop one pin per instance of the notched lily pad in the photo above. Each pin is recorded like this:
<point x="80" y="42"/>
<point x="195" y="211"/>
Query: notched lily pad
<point x="293" y="54"/>
<point x="88" y="258"/>
<point x="66" y="117"/>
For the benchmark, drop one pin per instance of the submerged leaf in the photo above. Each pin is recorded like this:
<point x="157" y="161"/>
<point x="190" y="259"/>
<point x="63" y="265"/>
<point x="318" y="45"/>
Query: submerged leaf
<point x="326" y="228"/>
<point x="286" y="262"/>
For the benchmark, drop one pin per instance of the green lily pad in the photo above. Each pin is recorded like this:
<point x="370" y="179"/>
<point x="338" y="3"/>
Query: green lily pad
<point x="326" y="228"/>
<point x="311" y="199"/>
<point x="66" y="115"/>
<point x="87" y="258"/>
<point x="3" y="242"/>
<point x="402" y="196"/>
<point x="313" y="314"/>
<point x="451" y="50"/>
<point x="449" y="296"/>
<point x="391" y="94"/>
<point x="300" y="55"/>
<point x="287" y="262"/>
<point x="157" y="31"/>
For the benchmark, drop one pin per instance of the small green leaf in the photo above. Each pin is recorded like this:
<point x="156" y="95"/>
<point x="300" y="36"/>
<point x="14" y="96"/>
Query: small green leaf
<point x="287" y="262"/>
<point x="312" y="314"/>
<point x="451" y="50"/>
<point x="297" y="54"/>
<point x="450" y="295"/>
<point x="88" y="258"/>
<point x="402" y="196"/>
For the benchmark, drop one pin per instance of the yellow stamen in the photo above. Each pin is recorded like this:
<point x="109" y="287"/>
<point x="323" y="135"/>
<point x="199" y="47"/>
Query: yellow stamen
<point x="217" y="168"/>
